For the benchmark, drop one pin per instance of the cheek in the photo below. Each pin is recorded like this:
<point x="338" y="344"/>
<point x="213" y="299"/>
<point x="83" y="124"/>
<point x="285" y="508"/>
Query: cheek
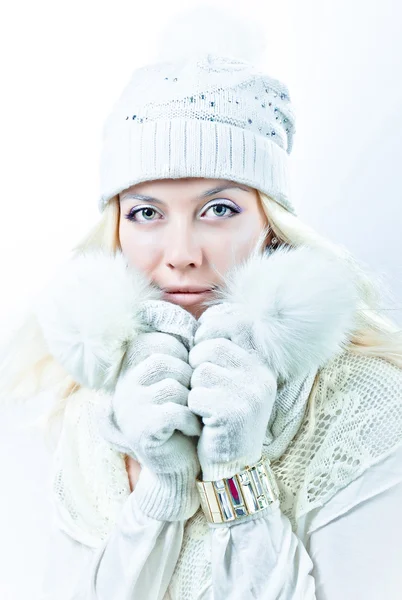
<point x="141" y="251"/>
<point x="233" y="245"/>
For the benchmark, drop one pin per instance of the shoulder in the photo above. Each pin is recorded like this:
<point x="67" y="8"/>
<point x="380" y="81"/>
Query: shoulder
<point x="367" y="392"/>
<point x="354" y="422"/>
<point x="376" y="492"/>
<point x="353" y="368"/>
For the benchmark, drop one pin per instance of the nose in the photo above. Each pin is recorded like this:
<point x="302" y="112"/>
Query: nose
<point x="182" y="249"/>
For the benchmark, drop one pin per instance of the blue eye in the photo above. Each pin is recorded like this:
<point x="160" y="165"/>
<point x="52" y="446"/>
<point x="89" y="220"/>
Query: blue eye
<point x="226" y="207"/>
<point x="132" y="214"/>
<point x="147" y="212"/>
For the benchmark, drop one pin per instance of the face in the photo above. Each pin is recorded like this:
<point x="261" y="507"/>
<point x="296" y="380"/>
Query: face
<point x="186" y="233"/>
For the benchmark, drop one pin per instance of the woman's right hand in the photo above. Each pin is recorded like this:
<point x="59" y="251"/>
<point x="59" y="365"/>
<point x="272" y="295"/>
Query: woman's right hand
<point x="147" y="417"/>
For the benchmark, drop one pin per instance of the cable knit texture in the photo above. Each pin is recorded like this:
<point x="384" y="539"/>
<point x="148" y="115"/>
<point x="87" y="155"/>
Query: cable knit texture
<point x="90" y="481"/>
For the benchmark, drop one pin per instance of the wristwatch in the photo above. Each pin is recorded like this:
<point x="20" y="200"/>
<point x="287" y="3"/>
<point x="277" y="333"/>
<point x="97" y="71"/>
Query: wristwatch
<point x="245" y="493"/>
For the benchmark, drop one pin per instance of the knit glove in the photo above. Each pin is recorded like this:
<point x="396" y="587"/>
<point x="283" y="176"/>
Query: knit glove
<point x="147" y="417"/>
<point x="233" y="392"/>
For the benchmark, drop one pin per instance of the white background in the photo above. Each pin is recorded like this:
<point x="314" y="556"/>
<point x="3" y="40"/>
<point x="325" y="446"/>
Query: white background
<point x="64" y="64"/>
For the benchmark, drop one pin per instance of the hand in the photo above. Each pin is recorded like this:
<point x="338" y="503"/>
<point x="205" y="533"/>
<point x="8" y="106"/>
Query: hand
<point x="147" y="418"/>
<point x="233" y="392"/>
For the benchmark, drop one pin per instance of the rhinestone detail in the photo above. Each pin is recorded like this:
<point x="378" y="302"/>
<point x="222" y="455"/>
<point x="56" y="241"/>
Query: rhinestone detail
<point x="245" y="493"/>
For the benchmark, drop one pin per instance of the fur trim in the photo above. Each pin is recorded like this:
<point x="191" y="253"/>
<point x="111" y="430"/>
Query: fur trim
<point x="298" y="304"/>
<point x="89" y="314"/>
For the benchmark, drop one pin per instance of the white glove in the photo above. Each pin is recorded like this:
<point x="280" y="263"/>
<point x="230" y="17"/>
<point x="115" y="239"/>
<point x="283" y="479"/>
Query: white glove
<point x="233" y="392"/>
<point x="148" y="418"/>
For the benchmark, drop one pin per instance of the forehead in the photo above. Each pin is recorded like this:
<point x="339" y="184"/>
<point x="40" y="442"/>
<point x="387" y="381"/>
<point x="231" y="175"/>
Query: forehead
<point x="192" y="185"/>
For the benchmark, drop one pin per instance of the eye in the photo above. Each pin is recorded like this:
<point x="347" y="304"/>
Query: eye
<point x="146" y="212"/>
<point x="221" y="209"/>
<point x="224" y="208"/>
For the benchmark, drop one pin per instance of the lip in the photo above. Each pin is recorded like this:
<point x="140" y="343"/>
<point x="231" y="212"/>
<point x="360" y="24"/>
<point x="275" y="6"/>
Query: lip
<point x="186" y="298"/>
<point x="180" y="289"/>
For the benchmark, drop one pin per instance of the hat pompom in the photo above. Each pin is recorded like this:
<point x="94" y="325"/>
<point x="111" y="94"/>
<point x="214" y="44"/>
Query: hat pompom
<point x="207" y="29"/>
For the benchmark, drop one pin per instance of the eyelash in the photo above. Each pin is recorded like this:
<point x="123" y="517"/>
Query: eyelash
<point x="131" y="214"/>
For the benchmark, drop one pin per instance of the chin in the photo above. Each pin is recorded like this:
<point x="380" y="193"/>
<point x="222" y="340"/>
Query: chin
<point x="195" y="310"/>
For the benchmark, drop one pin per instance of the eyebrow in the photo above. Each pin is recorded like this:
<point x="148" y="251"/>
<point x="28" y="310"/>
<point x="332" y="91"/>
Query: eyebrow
<point x="206" y="194"/>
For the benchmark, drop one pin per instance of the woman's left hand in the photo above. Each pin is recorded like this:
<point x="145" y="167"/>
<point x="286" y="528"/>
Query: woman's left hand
<point x="233" y="392"/>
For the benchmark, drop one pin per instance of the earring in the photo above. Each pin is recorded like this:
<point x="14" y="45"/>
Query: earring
<point x="271" y="247"/>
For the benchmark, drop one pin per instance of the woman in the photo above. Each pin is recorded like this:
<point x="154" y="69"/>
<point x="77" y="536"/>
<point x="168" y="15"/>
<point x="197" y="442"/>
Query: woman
<point x="230" y="415"/>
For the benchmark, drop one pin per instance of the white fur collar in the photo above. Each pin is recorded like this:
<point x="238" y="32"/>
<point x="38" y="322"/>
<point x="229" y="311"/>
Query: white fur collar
<point x="93" y="309"/>
<point x="300" y="304"/>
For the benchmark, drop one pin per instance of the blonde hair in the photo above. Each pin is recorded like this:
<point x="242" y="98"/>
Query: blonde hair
<point x="27" y="368"/>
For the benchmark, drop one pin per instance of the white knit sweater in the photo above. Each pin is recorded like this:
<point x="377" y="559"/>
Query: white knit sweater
<point x="358" y="415"/>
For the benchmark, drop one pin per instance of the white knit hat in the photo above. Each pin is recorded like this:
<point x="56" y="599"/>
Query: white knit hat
<point x="200" y="115"/>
